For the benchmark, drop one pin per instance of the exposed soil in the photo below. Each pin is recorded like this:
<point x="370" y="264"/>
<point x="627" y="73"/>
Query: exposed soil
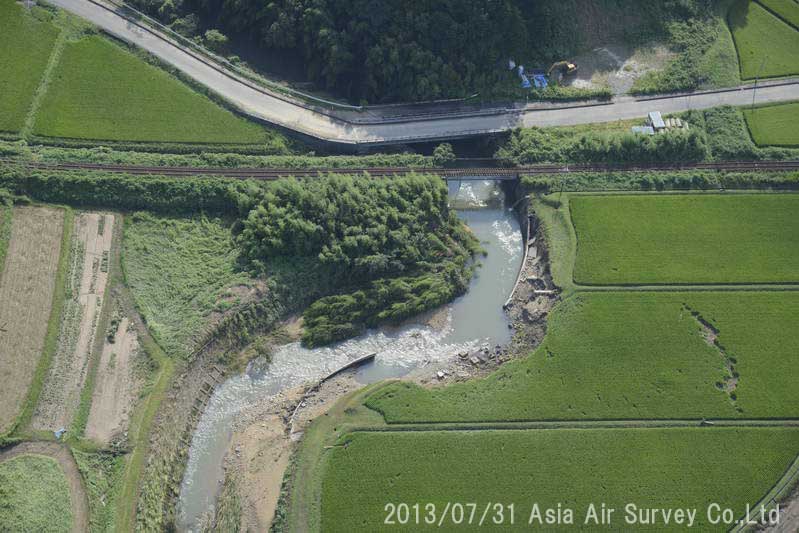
<point x="89" y="274"/>
<point x="263" y="442"/>
<point x="711" y="336"/>
<point x="789" y="515"/>
<point x="61" y="453"/>
<point x="116" y="386"/>
<point x="265" y="434"/>
<point x="617" y="66"/>
<point x="528" y="308"/>
<point x="26" y="295"/>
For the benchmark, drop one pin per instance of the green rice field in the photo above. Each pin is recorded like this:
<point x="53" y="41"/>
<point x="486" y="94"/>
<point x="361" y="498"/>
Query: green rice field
<point x="786" y="9"/>
<point x="631" y="355"/>
<point x="767" y="45"/>
<point x="690" y="239"/>
<point x="34" y="495"/>
<point x="26" y="43"/>
<point x="689" y="468"/>
<point x="101" y="91"/>
<point x="775" y="125"/>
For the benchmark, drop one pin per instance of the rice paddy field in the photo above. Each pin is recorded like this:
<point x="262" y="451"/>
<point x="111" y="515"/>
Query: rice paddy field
<point x="179" y="270"/>
<point x="788" y="10"/>
<point x="628" y="356"/>
<point x="22" y="35"/>
<point x="667" y="468"/>
<point x="689" y="239"/>
<point x="35" y="495"/>
<point x="132" y="101"/>
<point x="631" y="355"/>
<point x="765" y="40"/>
<point x="775" y="125"/>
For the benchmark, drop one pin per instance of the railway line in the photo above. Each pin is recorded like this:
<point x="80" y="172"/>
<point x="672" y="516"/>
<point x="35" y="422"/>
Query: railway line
<point x="502" y="173"/>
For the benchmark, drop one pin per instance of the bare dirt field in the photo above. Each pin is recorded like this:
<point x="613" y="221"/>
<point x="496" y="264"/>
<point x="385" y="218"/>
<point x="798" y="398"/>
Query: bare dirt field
<point x="26" y="295"/>
<point x="116" y="385"/>
<point x="617" y="66"/>
<point x="85" y="293"/>
<point x="789" y="515"/>
<point x="59" y="452"/>
<point x="261" y="446"/>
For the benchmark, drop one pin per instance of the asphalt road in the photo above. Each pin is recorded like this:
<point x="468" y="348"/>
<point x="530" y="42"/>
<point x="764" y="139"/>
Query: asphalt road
<point x="276" y="110"/>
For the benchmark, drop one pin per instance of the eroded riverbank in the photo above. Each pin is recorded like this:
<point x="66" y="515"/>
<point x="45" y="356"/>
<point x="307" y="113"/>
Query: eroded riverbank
<point x="473" y="324"/>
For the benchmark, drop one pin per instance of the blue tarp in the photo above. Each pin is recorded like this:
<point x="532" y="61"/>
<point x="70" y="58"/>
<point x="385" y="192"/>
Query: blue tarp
<point x="540" y="81"/>
<point x="525" y="82"/>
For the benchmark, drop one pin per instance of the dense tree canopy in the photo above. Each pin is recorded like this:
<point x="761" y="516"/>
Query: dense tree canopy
<point x="411" y="50"/>
<point x="392" y="247"/>
<point x="378" y="50"/>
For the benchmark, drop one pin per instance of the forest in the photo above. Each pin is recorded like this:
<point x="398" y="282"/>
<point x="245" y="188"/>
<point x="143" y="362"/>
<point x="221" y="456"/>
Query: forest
<point x="373" y="51"/>
<point x="393" y="247"/>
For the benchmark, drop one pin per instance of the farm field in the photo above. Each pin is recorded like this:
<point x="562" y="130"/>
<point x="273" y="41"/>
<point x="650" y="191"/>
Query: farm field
<point x="691" y="239"/>
<point x="35" y="495"/>
<point x="84" y="298"/>
<point x="26" y="295"/>
<point x="776" y="125"/>
<point x="787" y="9"/>
<point x="766" y="44"/>
<point x="22" y="35"/>
<point x="117" y="384"/>
<point x="134" y="101"/>
<point x="179" y="271"/>
<point x="671" y="468"/>
<point x="632" y="355"/>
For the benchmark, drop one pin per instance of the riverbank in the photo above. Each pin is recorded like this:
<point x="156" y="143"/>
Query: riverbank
<point x="263" y="444"/>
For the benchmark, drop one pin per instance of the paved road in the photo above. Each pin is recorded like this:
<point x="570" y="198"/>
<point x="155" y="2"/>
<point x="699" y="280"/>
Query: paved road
<point x="280" y="111"/>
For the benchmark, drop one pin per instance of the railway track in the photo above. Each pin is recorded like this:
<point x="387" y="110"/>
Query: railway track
<point x="509" y="173"/>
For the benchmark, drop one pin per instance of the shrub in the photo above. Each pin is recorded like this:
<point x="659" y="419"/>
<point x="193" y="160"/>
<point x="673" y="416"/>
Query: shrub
<point x="443" y="155"/>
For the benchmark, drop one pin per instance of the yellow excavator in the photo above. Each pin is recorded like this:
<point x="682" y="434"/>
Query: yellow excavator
<point x="560" y="70"/>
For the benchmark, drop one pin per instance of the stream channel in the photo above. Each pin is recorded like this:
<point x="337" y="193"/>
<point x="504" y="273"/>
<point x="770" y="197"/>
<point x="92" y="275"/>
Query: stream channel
<point x="472" y="320"/>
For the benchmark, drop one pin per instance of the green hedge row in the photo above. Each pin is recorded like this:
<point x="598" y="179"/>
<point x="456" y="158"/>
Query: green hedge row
<point x="120" y="191"/>
<point x="647" y="181"/>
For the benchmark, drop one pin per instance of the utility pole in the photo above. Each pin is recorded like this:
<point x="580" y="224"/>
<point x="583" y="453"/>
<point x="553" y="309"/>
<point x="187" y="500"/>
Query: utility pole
<point x="757" y="78"/>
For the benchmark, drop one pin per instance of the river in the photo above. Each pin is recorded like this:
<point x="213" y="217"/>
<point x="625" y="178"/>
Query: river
<point x="474" y="319"/>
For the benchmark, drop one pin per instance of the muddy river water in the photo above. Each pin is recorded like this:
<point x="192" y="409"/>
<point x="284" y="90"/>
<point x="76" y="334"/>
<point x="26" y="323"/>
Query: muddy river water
<point x="472" y="320"/>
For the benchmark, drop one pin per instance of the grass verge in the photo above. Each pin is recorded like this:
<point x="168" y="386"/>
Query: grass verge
<point x="101" y="473"/>
<point x="5" y="233"/>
